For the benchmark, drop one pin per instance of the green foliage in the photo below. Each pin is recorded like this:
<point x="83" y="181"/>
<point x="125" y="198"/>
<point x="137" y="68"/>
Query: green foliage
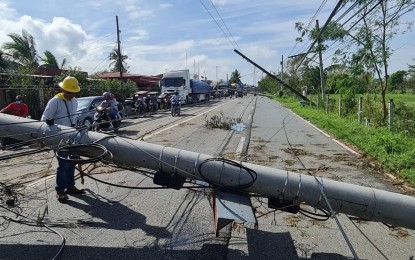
<point x="121" y="90"/>
<point x="395" y="151"/>
<point x="333" y="31"/>
<point x="96" y="87"/>
<point x="115" y="58"/>
<point x="50" y="61"/>
<point x="372" y="110"/>
<point x="74" y="72"/>
<point x="23" y="49"/>
<point x="404" y="119"/>
<point x="311" y="78"/>
<point x="235" y="77"/>
<point x="4" y="61"/>
<point x="23" y="78"/>
<point x="397" y="81"/>
<point x="269" y="85"/>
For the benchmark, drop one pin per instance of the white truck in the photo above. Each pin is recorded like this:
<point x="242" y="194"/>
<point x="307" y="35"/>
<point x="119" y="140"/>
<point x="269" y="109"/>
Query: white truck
<point x="190" y="90"/>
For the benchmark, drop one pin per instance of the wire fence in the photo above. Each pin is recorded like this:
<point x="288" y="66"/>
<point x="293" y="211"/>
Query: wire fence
<point x="368" y="110"/>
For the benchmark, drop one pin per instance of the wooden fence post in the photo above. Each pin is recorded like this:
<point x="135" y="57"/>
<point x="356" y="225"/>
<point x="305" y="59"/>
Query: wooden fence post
<point x="360" y="112"/>
<point x="340" y="105"/>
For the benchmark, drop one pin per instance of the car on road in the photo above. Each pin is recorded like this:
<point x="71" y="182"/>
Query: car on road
<point x="86" y="109"/>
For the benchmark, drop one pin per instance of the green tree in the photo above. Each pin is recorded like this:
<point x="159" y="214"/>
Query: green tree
<point x="411" y="70"/>
<point x="51" y="62"/>
<point x="397" y="81"/>
<point x="4" y="61"/>
<point x="311" y="77"/>
<point x="23" y="49"/>
<point x="332" y="32"/>
<point x="114" y="58"/>
<point x="79" y="75"/>
<point x="380" y="22"/>
<point x="235" y="77"/>
<point x="268" y="85"/>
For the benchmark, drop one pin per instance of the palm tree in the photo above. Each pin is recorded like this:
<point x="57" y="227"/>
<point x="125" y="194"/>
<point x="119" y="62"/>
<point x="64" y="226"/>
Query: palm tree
<point x="4" y="62"/>
<point x="50" y="61"/>
<point x="115" y="61"/>
<point x="23" y="49"/>
<point x="235" y="77"/>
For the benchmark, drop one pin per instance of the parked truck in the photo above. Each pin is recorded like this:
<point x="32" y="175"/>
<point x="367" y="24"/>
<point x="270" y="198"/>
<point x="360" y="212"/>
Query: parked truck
<point x="190" y="90"/>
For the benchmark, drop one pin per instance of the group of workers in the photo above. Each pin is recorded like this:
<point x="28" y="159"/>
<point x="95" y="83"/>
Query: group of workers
<point x="62" y="110"/>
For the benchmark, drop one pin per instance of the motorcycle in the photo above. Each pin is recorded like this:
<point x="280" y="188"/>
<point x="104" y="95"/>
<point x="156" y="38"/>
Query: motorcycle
<point x="140" y="107"/>
<point x="175" y="108"/>
<point x="102" y="119"/>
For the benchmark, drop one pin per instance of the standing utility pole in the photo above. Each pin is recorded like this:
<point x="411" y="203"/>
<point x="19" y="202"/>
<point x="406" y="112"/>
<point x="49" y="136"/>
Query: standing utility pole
<point x="282" y="71"/>
<point x="119" y="49"/>
<point x="322" y="82"/>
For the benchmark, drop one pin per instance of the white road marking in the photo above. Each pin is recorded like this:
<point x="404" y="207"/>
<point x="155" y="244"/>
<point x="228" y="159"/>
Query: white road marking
<point x="181" y="122"/>
<point x="47" y="178"/>
<point x="327" y="135"/>
<point x="240" y="146"/>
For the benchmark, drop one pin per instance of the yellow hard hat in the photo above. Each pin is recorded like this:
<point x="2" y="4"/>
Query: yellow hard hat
<point x="70" y="84"/>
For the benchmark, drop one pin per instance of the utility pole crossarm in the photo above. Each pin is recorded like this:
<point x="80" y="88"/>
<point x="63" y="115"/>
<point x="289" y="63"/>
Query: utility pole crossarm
<point x="364" y="202"/>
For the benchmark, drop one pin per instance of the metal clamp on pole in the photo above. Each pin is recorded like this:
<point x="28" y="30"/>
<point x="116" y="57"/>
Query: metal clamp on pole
<point x="172" y="180"/>
<point x="284" y="205"/>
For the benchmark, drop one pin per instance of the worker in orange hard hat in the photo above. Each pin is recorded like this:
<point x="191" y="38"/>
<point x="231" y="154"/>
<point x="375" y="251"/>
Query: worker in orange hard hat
<point x="61" y="109"/>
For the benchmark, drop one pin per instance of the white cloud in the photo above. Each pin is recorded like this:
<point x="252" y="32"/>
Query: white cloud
<point x="6" y="12"/>
<point x="217" y="41"/>
<point x="134" y="10"/>
<point x="165" y="5"/>
<point x="169" y="35"/>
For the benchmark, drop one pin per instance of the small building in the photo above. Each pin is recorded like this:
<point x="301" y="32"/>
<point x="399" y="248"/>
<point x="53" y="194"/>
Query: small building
<point x="147" y="83"/>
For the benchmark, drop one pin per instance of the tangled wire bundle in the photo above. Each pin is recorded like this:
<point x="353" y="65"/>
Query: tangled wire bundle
<point x="84" y="153"/>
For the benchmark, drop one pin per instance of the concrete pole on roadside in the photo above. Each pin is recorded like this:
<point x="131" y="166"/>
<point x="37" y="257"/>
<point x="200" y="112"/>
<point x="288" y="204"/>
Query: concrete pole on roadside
<point x="282" y="72"/>
<point x="390" y="119"/>
<point x="360" y="112"/>
<point x="364" y="202"/>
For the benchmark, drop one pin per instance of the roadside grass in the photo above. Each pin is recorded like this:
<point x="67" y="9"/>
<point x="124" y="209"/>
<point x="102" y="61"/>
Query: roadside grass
<point x="395" y="152"/>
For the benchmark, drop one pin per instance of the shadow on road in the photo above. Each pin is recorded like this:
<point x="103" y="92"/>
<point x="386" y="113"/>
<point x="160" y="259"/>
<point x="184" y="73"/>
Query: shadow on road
<point x="115" y="215"/>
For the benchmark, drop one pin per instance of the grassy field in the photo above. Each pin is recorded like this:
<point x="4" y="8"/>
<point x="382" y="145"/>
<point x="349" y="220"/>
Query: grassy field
<point x="393" y="152"/>
<point x="408" y="99"/>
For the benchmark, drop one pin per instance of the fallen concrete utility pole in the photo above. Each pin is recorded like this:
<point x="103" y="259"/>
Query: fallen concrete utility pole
<point x="367" y="203"/>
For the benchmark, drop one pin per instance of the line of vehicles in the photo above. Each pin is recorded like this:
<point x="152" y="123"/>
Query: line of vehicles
<point x="143" y="103"/>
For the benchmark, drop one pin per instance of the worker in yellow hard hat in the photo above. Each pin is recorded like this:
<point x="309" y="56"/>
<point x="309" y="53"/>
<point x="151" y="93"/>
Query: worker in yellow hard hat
<point x="61" y="110"/>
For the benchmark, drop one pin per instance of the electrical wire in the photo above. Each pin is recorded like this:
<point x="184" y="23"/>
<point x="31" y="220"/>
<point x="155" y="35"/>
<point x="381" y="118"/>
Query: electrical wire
<point x="243" y="168"/>
<point x="321" y="32"/>
<point x="220" y="27"/>
<point x="320" y="186"/>
<point x="24" y="153"/>
<point x="225" y="24"/>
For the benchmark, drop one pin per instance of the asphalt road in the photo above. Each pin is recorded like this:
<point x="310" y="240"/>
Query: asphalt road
<point x="120" y="223"/>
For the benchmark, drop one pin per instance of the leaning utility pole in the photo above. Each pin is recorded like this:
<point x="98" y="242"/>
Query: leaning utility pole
<point x="119" y="49"/>
<point x="279" y="186"/>
<point x="273" y="76"/>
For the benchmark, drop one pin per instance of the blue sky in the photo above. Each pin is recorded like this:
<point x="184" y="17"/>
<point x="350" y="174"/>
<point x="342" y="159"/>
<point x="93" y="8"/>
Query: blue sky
<point x="166" y="35"/>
